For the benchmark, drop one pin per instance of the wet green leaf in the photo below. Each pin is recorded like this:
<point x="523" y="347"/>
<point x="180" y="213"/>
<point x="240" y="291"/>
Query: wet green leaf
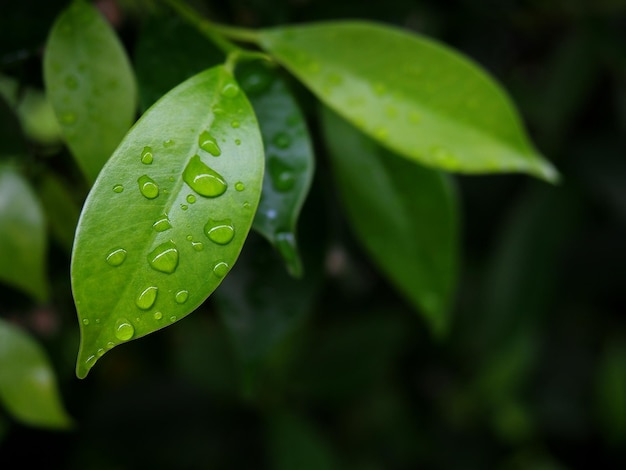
<point x="168" y="215"/>
<point x="22" y="235"/>
<point x="414" y="95"/>
<point x="90" y="83"/>
<point x="403" y="214"/>
<point x="28" y="388"/>
<point x="289" y="163"/>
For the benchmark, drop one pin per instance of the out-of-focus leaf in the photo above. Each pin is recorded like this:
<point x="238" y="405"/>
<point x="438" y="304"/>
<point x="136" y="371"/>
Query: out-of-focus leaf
<point x="405" y="215"/>
<point x="168" y="215"/>
<point x="13" y="143"/>
<point x="611" y="392"/>
<point x="90" y="83"/>
<point x="61" y="210"/>
<point x="289" y="163"/>
<point x="167" y="53"/>
<point x="28" y="388"/>
<point x="294" y="443"/>
<point x="22" y="235"/>
<point x="415" y="96"/>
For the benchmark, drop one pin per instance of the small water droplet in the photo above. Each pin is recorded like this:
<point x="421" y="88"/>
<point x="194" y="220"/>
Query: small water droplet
<point x="221" y="269"/>
<point x="218" y="110"/>
<point x="198" y="246"/>
<point x="118" y="188"/>
<point x="189" y="237"/>
<point x="230" y="90"/>
<point x="202" y="179"/>
<point x="246" y="205"/>
<point x="168" y="143"/>
<point x="281" y="175"/>
<point x="239" y="186"/>
<point x="219" y="231"/>
<point x="148" y="187"/>
<point x="85" y="321"/>
<point x="162" y="224"/>
<point x="146" y="156"/>
<point x="184" y="207"/>
<point x="90" y="360"/>
<point x="191" y="198"/>
<point x="100" y="352"/>
<point x="237" y="142"/>
<point x="116" y="257"/>
<point x="71" y="82"/>
<point x="97" y="321"/>
<point x="147" y="297"/>
<point x="110" y="345"/>
<point x="181" y="296"/>
<point x="282" y="140"/>
<point x="124" y="331"/>
<point x="68" y="118"/>
<point x="158" y="315"/>
<point x="171" y="179"/>
<point x="173" y="318"/>
<point x="208" y="143"/>
<point x="235" y="124"/>
<point x="164" y="258"/>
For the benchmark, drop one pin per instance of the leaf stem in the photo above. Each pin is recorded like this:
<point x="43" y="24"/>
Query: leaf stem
<point x="237" y="34"/>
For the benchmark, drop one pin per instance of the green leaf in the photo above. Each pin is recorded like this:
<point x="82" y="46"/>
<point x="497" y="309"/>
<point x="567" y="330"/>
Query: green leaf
<point x="22" y="236"/>
<point x="168" y="215"/>
<point x="403" y="214"/>
<point x="28" y="387"/>
<point x="414" y="95"/>
<point x="62" y="212"/>
<point x="91" y="85"/>
<point x="289" y="163"/>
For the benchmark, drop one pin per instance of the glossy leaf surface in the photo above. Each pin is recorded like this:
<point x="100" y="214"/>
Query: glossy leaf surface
<point x="289" y="163"/>
<point x="91" y="85"/>
<point x="415" y="96"/>
<point x="28" y="388"/>
<point x="404" y="215"/>
<point x="22" y="235"/>
<point x="168" y="215"/>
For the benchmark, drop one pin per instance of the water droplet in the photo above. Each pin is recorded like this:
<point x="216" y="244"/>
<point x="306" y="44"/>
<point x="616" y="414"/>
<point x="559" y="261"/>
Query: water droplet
<point x="116" y="257"/>
<point x="164" y="258"/>
<point x="110" y="345"/>
<point x="237" y="142"/>
<point x="218" y="110"/>
<point x="219" y="231"/>
<point x="124" y="331"/>
<point x="189" y="237"/>
<point x="100" y="352"/>
<point x="173" y="318"/>
<point x="168" y="143"/>
<point x="118" y="188"/>
<point x="90" y="360"/>
<point x="148" y="187"/>
<point x="85" y="321"/>
<point x="147" y="297"/>
<point x="97" y="321"/>
<point x="208" y="143"/>
<point x="71" y="82"/>
<point x="184" y="207"/>
<point x="221" y="269"/>
<point x="239" y="186"/>
<point x="146" y="156"/>
<point x="191" y="198"/>
<point x="162" y="224"/>
<point x="235" y="124"/>
<point x="246" y="205"/>
<point x="281" y="175"/>
<point x="158" y="315"/>
<point x="68" y="118"/>
<point x="202" y="179"/>
<point x="282" y="140"/>
<point x="198" y="246"/>
<point x="230" y="90"/>
<point x="171" y="179"/>
<point x="181" y="296"/>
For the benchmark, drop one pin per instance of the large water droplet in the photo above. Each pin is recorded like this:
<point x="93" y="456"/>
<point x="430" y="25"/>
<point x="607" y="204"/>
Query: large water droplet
<point x="146" y="156"/>
<point x="282" y="140"/>
<point x="147" y="297"/>
<point x="202" y="179"/>
<point x="181" y="296"/>
<point x="208" y="143"/>
<point x="124" y="331"/>
<point x="164" y="258"/>
<point x="162" y="224"/>
<point x="230" y="90"/>
<point x="148" y="187"/>
<point x="116" y="257"/>
<point x="221" y="269"/>
<point x="281" y="175"/>
<point x="118" y="188"/>
<point x="219" y="231"/>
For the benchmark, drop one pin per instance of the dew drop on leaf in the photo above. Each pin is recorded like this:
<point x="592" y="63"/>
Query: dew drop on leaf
<point x="208" y="143"/>
<point x="118" y="188"/>
<point x="124" y="331"/>
<point x="162" y="224"/>
<point x="148" y="188"/>
<point x="281" y="175"/>
<point x="202" y="179"/>
<point x="146" y="156"/>
<point x="198" y="246"/>
<point x="221" y="269"/>
<point x="181" y="296"/>
<point x="235" y="124"/>
<point x="147" y="297"/>
<point x="191" y="198"/>
<point x="116" y="257"/>
<point x="230" y="90"/>
<point x="85" y="321"/>
<point x="164" y="258"/>
<point x="168" y="143"/>
<point x="239" y="186"/>
<point x="219" y="231"/>
<point x="158" y="315"/>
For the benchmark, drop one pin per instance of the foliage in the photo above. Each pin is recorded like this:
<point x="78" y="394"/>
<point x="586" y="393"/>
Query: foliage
<point x="345" y="226"/>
